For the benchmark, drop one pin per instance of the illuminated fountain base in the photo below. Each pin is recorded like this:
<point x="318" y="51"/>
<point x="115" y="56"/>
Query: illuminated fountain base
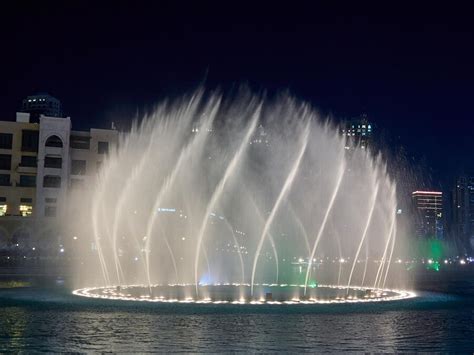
<point x="241" y="294"/>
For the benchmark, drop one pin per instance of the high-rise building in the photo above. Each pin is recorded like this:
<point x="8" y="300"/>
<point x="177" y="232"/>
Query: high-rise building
<point x="428" y="207"/>
<point x="41" y="104"/>
<point x="358" y="131"/>
<point x="462" y="211"/>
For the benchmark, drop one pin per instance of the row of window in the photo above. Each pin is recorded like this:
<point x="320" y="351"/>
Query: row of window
<point x="30" y="139"/>
<point x="78" y="167"/>
<point x="50" y="181"/>
<point x="29" y="200"/>
<point x="25" y="209"/>
<point x="25" y="180"/>
<point x="30" y="181"/>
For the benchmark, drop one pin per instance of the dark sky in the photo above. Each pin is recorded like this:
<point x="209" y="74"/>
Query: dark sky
<point x="409" y="68"/>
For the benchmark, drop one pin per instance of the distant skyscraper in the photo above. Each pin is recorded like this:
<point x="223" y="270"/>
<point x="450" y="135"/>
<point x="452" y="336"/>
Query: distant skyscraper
<point x="41" y="104"/>
<point x="462" y="207"/>
<point x="358" y="131"/>
<point x="428" y="206"/>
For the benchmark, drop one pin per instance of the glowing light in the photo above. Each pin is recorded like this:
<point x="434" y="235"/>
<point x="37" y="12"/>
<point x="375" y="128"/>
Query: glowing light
<point x="427" y="193"/>
<point x="26" y="210"/>
<point x="113" y="293"/>
<point x="166" y="209"/>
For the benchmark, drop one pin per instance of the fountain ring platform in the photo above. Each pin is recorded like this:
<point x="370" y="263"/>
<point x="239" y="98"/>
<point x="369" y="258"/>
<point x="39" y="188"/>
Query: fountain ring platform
<point x="272" y="294"/>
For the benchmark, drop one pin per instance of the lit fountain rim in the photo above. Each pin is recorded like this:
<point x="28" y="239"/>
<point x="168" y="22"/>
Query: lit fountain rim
<point x="110" y="293"/>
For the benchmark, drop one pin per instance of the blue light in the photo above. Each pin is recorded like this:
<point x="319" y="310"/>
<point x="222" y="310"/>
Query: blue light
<point x="166" y="209"/>
<point x="205" y="279"/>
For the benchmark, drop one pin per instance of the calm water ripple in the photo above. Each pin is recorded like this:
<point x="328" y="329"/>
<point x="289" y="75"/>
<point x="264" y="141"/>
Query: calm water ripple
<point x="62" y="323"/>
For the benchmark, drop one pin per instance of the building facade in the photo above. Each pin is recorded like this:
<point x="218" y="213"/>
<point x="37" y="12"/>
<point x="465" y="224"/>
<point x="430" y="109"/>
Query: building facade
<point x="462" y="211"/>
<point x="428" y="208"/>
<point x="41" y="104"/>
<point x="357" y="131"/>
<point x="40" y="164"/>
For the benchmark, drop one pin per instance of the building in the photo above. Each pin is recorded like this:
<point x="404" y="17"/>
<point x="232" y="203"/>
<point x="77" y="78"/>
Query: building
<point x="40" y="163"/>
<point x="428" y="208"/>
<point x="462" y="211"/>
<point x="358" y="132"/>
<point x="41" y="104"/>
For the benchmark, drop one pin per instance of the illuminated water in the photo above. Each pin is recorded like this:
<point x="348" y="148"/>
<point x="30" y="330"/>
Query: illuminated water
<point x="211" y="190"/>
<point x="52" y="320"/>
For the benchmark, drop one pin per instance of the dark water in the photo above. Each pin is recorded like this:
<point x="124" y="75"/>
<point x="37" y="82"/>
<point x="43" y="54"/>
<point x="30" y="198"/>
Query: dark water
<point x="51" y="320"/>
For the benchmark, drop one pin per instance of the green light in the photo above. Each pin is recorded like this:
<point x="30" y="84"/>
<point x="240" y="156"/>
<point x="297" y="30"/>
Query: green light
<point x="433" y="266"/>
<point x="435" y="249"/>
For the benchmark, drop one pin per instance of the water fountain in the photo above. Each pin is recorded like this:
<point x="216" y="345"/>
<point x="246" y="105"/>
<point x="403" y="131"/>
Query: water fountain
<point x="240" y="201"/>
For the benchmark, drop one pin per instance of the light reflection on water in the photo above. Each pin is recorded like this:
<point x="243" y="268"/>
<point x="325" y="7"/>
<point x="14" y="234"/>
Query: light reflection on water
<point x="430" y="323"/>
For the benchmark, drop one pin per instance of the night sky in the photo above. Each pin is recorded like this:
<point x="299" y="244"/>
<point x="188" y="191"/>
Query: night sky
<point x="411" y="69"/>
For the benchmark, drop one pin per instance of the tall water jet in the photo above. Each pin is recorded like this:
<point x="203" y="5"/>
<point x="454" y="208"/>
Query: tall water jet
<point x="219" y="189"/>
<point x="284" y="190"/>
<point x="169" y="181"/>
<point x="323" y="224"/>
<point x="210" y="198"/>
<point x="364" y="234"/>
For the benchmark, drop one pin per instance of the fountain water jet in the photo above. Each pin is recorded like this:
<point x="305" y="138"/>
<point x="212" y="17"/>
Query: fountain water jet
<point x="285" y="188"/>
<point x="218" y="191"/>
<point x="364" y="234"/>
<point x="221" y="177"/>
<point x="183" y="156"/>
<point x="323" y="224"/>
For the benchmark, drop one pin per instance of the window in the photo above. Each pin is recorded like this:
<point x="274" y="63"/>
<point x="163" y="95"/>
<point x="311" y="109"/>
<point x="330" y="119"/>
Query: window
<point x="3" y="206"/>
<point x="54" y="141"/>
<point x="50" y="211"/>
<point x="78" y="167"/>
<point x="75" y="183"/>
<point x="50" y="200"/>
<point x="5" y="161"/>
<point x="53" y="162"/>
<point x="6" y="140"/>
<point x="103" y="148"/>
<point x="52" y="181"/>
<point x="28" y="180"/>
<point x="4" y="179"/>
<point x="26" y="208"/>
<point x="80" y="142"/>
<point x="29" y="140"/>
<point x="29" y="161"/>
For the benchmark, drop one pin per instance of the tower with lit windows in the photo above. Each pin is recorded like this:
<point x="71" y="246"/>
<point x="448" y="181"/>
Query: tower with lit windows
<point x="428" y="207"/>
<point x="357" y="131"/>
<point x="41" y="104"/>
<point x="462" y="211"/>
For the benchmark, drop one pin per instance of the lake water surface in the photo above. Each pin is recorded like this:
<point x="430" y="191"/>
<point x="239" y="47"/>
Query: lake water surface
<point x="52" y="320"/>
